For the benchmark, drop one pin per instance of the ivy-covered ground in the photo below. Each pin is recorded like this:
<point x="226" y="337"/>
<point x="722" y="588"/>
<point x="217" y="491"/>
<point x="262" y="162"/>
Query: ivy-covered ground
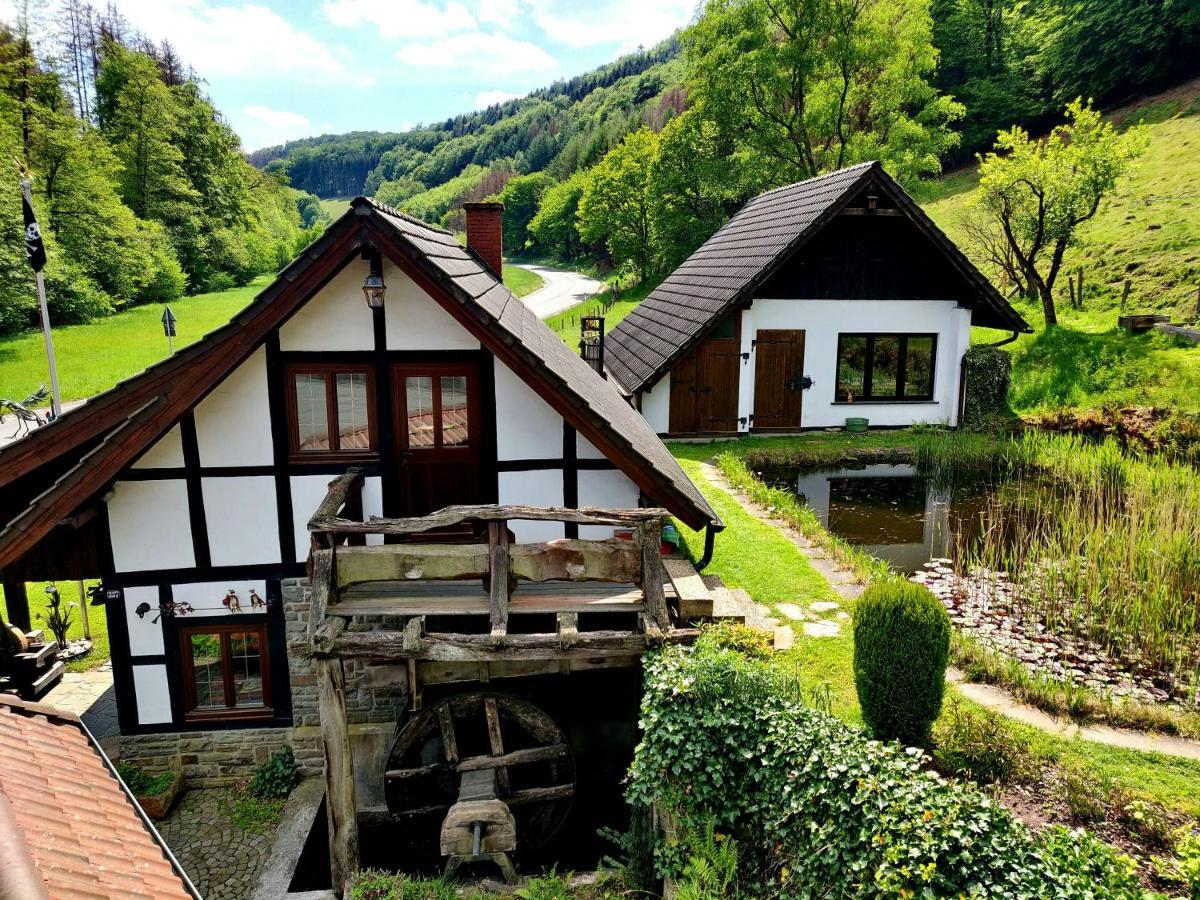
<point x="1072" y="781"/>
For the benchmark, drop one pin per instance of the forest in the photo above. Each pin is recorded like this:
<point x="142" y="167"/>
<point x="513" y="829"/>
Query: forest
<point x="630" y="164"/>
<point x="141" y="188"/>
<point x="144" y="192"/>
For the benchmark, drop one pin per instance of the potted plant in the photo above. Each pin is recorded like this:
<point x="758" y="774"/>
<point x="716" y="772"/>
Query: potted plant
<point x="155" y="794"/>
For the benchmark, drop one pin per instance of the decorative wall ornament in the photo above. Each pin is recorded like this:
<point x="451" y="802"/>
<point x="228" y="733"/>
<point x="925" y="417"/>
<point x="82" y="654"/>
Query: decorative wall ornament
<point x="231" y="603"/>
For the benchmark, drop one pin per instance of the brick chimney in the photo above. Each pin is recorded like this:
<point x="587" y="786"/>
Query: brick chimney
<point x="484" y="235"/>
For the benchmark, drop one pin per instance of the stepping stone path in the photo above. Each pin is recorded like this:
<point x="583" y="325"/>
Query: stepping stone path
<point x="822" y="629"/>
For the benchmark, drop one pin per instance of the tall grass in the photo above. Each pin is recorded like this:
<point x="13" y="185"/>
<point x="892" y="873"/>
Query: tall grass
<point x="1099" y="543"/>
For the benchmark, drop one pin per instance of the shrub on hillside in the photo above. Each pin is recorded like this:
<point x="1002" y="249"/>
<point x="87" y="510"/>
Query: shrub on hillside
<point x="817" y="809"/>
<point x="901" y="644"/>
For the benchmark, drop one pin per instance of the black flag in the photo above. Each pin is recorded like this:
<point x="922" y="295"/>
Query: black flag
<point x="35" y="250"/>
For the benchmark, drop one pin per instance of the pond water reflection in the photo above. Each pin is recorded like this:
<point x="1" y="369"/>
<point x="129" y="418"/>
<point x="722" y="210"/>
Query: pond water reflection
<point x="889" y="510"/>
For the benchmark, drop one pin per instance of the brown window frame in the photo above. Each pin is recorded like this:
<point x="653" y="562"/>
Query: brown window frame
<point x="230" y="711"/>
<point x="335" y="454"/>
<point x="901" y="373"/>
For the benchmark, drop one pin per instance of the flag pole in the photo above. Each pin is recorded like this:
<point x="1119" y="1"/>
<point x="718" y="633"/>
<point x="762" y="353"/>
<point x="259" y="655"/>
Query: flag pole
<point x="56" y="400"/>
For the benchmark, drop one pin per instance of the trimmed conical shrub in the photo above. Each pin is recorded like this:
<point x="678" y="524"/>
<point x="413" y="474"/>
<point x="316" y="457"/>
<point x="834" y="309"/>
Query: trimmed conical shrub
<point x="901" y="643"/>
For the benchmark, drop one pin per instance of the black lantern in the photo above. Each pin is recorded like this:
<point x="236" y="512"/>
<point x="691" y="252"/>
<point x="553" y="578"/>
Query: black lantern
<point x="373" y="286"/>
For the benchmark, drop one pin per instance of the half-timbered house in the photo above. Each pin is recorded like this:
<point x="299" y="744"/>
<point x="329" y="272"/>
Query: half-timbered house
<point x="387" y="349"/>
<point x="829" y="299"/>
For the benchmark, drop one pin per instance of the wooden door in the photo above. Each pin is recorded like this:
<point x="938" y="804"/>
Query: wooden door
<point x="704" y="389"/>
<point x="438" y="435"/>
<point x="778" y="371"/>
<point x="719" y="366"/>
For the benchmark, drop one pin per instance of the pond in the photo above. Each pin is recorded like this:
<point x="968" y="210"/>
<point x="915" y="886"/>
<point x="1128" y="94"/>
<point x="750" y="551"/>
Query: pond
<point x="890" y="511"/>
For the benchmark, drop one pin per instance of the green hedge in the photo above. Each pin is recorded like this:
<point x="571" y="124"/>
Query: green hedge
<point x="989" y="371"/>
<point x="817" y="809"/>
<point x="901" y="644"/>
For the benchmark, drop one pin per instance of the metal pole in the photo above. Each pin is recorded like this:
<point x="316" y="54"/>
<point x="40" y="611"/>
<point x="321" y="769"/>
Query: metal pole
<point x="83" y="612"/>
<point x="56" y="400"/>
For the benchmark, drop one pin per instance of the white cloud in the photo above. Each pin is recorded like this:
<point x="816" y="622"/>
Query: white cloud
<point x="623" y="22"/>
<point x="241" y="40"/>
<point x="262" y="126"/>
<point x="495" y="54"/>
<point x="484" y="99"/>
<point x="502" y="13"/>
<point x="400" y="18"/>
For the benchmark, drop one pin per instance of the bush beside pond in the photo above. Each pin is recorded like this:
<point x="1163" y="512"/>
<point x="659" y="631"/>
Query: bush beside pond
<point x="816" y="808"/>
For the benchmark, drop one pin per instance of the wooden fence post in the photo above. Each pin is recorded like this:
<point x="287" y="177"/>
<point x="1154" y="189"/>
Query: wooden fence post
<point x="1196" y="312"/>
<point x="650" y="539"/>
<point x="1125" y="293"/>
<point x="498" y="580"/>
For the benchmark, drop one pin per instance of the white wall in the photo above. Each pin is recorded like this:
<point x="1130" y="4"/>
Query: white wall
<point x="526" y="426"/>
<point x="145" y="635"/>
<point x="336" y="318"/>
<point x="610" y="488"/>
<point x="656" y="405"/>
<point x="307" y="493"/>
<point x="822" y="322"/>
<point x="242" y="517"/>
<point x="149" y="525"/>
<point x="233" y="423"/>
<point x="537" y="488"/>
<point x="167" y="453"/>
<point x="415" y="321"/>
<point x="153" y="694"/>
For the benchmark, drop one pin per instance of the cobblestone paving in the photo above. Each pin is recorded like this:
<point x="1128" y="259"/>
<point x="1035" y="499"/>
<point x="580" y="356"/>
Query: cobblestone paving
<point x="223" y="862"/>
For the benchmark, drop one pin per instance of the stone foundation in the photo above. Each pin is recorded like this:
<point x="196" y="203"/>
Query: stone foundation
<point x="212" y="758"/>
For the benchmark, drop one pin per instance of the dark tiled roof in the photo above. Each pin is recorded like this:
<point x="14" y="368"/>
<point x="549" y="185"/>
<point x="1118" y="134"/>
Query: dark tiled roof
<point x="474" y="283"/>
<point x="78" y="826"/>
<point x="739" y="257"/>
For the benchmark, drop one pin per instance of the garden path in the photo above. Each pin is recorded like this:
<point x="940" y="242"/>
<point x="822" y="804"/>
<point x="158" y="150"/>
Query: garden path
<point x="818" y="623"/>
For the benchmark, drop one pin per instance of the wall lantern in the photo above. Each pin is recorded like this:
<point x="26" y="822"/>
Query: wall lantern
<point x="373" y="286"/>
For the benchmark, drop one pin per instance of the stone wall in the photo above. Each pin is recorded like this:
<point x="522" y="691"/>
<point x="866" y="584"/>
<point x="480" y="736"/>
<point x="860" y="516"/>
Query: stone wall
<point x="375" y="699"/>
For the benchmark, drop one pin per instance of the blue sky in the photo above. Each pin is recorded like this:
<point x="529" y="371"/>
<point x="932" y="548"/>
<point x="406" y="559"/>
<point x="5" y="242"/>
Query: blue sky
<point x="281" y="70"/>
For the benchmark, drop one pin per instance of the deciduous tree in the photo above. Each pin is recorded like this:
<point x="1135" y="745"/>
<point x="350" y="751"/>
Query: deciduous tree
<point x="1038" y="192"/>
<point x="616" y="202"/>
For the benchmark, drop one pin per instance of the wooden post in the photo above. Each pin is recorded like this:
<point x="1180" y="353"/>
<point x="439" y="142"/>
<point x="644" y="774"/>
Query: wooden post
<point x="16" y="601"/>
<point x="498" y="580"/>
<point x="1196" y="312"/>
<point x="340" y="803"/>
<point x="650" y="539"/>
<point x="83" y="612"/>
<point x="1125" y="293"/>
<point x="1079" y="292"/>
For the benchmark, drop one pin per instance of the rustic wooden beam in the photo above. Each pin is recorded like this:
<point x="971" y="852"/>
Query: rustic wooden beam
<point x="326" y="634"/>
<point x="336" y="495"/>
<point x="649" y="536"/>
<point x="449" y="738"/>
<point x="482" y="763"/>
<point x="414" y="629"/>
<point x="441" y="647"/>
<point x="491" y="712"/>
<point x="340" y="804"/>
<point x="693" y="597"/>
<point x="319" y="591"/>
<point x="455" y="515"/>
<point x="498" y="560"/>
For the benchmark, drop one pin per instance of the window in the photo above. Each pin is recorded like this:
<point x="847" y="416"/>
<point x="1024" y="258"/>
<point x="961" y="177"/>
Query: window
<point x="881" y="367"/>
<point x="330" y="408"/>
<point x="225" y="671"/>
<point x="437" y="407"/>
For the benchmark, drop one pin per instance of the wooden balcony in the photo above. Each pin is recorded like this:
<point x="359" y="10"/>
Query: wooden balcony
<point x="495" y="601"/>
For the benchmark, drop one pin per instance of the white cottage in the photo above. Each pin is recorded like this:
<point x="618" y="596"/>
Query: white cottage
<point x="388" y="347"/>
<point x="833" y="298"/>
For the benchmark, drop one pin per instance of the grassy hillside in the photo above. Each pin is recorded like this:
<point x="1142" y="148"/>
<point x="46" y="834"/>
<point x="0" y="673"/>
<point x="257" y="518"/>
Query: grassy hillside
<point x="1149" y="233"/>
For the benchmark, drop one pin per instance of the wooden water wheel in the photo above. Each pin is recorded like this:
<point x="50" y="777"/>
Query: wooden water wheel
<point x="535" y="770"/>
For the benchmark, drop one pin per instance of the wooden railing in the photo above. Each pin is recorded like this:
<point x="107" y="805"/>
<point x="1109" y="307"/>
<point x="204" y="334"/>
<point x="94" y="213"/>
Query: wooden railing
<point x="341" y="562"/>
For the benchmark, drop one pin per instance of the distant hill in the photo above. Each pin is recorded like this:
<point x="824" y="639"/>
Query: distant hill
<point x="562" y="127"/>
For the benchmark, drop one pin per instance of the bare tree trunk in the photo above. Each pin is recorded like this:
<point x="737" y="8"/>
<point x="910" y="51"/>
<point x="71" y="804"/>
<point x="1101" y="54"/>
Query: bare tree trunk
<point x="1047" y="296"/>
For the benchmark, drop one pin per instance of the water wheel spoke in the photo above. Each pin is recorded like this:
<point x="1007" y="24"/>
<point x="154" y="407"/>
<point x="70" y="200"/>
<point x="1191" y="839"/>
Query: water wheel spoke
<point x="492" y="713"/>
<point x="541" y="794"/>
<point x="449" y="740"/>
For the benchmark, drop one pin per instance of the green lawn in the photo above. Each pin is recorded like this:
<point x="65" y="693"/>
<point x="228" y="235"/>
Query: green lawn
<point x="69" y="591"/>
<point x="755" y="556"/>
<point x="335" y="206"/>
<point x="613" y="307"/>
<point x="95" y="356"/>
<point x="521" y="281"/>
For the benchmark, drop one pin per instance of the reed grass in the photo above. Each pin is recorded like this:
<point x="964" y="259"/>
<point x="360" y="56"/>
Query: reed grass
<point x="1099" y="543"/>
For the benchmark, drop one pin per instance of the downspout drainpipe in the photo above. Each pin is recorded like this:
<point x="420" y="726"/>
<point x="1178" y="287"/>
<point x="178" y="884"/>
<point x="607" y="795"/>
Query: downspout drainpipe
<point x="1008" y="340"/>
<point x="710" y="537"/>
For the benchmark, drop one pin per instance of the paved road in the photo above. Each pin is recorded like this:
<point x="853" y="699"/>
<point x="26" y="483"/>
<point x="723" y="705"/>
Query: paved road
<point x="562" y="290"/>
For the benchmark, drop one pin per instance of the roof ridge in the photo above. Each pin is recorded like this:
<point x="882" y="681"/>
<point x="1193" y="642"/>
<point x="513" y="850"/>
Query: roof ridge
<point x="407" y="217"/>
<point x="824" y="176"/>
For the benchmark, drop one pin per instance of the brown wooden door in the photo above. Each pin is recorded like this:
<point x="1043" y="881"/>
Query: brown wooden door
<point x="719" y="365"/>
<point x="438" y="435"/>
<point x="778" y="370"/>
<point x="704" y="389"/>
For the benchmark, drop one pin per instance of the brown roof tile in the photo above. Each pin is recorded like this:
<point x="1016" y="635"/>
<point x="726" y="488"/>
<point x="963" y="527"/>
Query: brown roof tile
<point x="82" y="832"/>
